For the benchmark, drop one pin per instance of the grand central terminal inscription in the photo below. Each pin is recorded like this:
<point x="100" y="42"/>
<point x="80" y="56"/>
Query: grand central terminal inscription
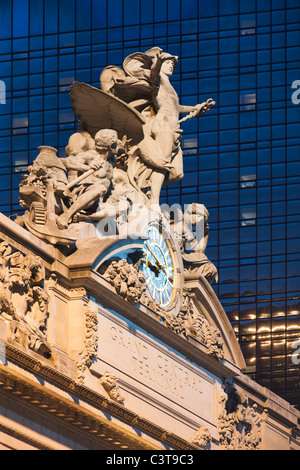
<point x="148" y="363"/>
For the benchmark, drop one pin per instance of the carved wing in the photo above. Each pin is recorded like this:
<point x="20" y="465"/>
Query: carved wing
<point x="100" y="110"/>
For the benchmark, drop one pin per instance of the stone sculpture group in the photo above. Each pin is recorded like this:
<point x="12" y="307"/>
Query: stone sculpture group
<point x="128" y="145"/>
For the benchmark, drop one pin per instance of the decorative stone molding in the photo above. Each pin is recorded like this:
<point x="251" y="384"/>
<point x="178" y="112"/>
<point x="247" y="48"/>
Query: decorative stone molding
<point x="73" y="416"/>
<point x="110" y="385"/>
<point x="89" y="352"/>
<point x="23" y="299"/>
<point x="53" y="283"/>
<point x="239" y="424"/>
<point x="201" y="437"/>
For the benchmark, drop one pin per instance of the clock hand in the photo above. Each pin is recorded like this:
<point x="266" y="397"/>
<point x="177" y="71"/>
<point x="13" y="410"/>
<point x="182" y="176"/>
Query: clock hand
<point x="160" y="266"/>
<point x="152" y="266"/>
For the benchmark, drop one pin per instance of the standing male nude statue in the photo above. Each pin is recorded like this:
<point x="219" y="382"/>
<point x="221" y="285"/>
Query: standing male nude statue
<point x="160" y="147"/>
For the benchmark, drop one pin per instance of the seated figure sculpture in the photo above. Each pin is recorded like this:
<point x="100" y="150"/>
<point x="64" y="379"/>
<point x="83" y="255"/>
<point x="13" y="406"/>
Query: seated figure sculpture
<point x="56" y="189"/>
<point x="193" y="243"/>
<point x="95" y="170"/>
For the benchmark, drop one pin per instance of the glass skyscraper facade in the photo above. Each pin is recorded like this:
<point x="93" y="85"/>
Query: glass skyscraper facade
<point x="241" y="159"/>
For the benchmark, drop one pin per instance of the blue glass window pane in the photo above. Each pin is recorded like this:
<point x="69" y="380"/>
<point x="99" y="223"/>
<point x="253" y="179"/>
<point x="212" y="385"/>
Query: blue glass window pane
<point x="173" y="9"/>
<point x="131" y="12"/>
<point x="20" y="18"/>
<point x="83" y="14"/>
<point x="160" y="10"/>
<point x="228" y="45"/>
<point x="5" y="21"/>
<point x="99" y="12"/>
<point x="147" y="11"/>
<point x="36" y="65"/>
<point x="115" y="12"/>
<point x="36" y="17"/>
<point x="50" y="64"/>
<point x="5" y="197"/>
<point x="247" y="43"/>
<point x="66" y="15"/>
<point x="5" y="69"/>
<point x="66" y="62"/>
<point x="51" y="13"/>
<point x="208" y="8"/>
<point x="228" y="60"/>
<point x="20" y="67"/>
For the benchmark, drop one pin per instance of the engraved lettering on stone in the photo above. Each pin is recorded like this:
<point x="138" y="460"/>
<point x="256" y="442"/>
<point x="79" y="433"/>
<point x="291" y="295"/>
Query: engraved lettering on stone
<point x="156" y="368"/>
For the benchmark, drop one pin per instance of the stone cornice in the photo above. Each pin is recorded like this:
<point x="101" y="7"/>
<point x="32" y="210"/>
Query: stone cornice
<point x="90" y="424"/>
<point x="25" y="240"/>
<point x="26" y="439"/>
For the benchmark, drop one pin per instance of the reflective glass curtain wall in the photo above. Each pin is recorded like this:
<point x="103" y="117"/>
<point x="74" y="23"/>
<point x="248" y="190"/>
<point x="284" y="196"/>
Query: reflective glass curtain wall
<point x="241" y="159"/>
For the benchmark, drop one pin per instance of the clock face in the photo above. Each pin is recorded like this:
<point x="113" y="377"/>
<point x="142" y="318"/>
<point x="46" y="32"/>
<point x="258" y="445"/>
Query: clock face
<point x="158" y="267"/>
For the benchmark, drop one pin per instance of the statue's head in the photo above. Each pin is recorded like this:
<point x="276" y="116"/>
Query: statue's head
<point x="77" y="143"/>
<point x="195" y="213"/>
<point x="169" y="64"/>
<point x="106" y="140"/>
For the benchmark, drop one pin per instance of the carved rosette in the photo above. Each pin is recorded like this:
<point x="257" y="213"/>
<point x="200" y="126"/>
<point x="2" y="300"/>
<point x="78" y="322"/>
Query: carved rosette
<point x="23" y="299"/>
<point x="239" y="424"/>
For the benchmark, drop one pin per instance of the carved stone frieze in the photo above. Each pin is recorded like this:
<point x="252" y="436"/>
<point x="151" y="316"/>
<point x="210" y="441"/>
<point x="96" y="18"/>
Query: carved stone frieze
<point x="239" y="424"/>
<point x="23" y="299"/>
<point x="128" y="282"/>
<point x="193" y="323"/>
<point x="89" y="352"/>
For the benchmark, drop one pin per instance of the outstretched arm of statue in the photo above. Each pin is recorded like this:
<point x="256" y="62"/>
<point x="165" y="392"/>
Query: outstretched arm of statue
<point x="196" y="110"/>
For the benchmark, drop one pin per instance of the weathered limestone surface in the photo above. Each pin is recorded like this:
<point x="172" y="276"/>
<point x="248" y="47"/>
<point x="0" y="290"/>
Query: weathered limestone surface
<point x="118" y="374"/>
